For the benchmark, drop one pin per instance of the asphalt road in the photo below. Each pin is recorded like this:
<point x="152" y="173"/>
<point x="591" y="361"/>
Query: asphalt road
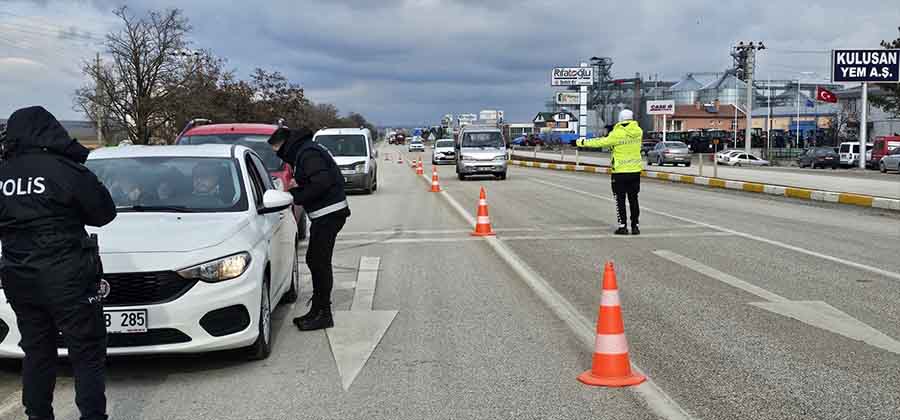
<point x="871" y="183"/>
<point x="736" y="306"/>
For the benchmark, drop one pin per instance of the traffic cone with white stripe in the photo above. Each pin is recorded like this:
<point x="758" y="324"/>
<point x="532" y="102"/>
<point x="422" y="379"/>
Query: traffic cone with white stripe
<point x="611" y="365"/>
<point x="483" y="224"/>
<point x="435" y="184"/>
<point x="420" y="170"/>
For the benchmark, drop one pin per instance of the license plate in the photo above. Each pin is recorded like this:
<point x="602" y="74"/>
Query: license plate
<point x="484" y="169"/>
<point x="346" y="179"/>
<point x="126" y="322"/>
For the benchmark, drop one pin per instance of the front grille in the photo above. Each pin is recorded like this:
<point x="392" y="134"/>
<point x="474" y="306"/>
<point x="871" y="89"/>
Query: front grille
<point x="4" y="329"/>
<point x="225" y="321"/>
<point x="153" y="337"/>
<point x="145" y="288"/>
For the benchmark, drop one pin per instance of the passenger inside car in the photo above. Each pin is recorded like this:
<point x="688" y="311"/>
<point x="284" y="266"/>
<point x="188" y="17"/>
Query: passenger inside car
<point x="207" y="186"/>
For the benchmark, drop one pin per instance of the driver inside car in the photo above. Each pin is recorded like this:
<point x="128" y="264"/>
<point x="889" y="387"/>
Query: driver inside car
<point x="207" y="186"/>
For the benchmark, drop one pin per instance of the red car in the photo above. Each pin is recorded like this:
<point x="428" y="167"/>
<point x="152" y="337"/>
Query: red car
<point x="254" y="136"/>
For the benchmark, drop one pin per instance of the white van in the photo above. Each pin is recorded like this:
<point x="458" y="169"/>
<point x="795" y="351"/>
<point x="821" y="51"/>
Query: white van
<point x="849" y="152"/>
<point x="481" y="150"/>
<point x="354" y="152"/>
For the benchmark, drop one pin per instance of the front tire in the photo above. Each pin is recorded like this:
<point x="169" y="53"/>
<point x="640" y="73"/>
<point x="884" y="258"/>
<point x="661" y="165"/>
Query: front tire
<point x="882" y="168"/>
<point x="502" y="176"/>
<point x="262" y="348"/>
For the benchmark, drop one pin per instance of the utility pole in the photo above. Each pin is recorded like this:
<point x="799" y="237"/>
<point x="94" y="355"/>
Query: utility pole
<point x="745" y="60"/>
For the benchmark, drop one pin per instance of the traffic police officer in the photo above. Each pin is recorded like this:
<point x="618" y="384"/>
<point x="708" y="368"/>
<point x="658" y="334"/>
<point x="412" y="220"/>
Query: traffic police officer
<point x="50" y="266"/>
<point x="320" y="190"/>
<point x="625" y="142"/>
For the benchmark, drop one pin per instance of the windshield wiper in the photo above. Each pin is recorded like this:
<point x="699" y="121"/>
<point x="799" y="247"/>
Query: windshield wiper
<point x="141" y="208"/>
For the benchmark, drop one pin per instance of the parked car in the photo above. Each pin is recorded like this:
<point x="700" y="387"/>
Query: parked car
<point x="819" y="157"/>
<point x="850" y="155"/>
<point x="199" y="255"/>
<point x="416" y="145"/>
<point x="882" y="146"/>
<point x="746" y="159"/>
<point x="444" y="151"/>
<point x="723" y="156"/>
<point x="355" y="154"/>
<point x="890" y="162"/>
<point x="481" y="150"/>
<point x="674" y="152"/>
<point x="254" y="136"/>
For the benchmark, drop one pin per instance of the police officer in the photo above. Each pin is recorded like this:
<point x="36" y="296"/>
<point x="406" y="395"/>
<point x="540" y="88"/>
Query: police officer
<point x="625" y="142"/>
<point x="320" y="190"/>
<point x="50" y="266"/>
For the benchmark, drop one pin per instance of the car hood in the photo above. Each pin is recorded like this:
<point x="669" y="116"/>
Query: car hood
<point x="347" y="160"/>
<point x="133" y="232"/>
<point x="478" y="153"/>
<point x="444" y="149"/>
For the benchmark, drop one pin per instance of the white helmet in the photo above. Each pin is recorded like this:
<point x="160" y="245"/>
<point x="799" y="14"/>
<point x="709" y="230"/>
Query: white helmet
<point x="625" y="115"/>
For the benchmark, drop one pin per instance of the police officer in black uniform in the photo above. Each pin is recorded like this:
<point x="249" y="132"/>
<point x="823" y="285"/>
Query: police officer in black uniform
<point x="320" y="190"/>
<point x="50" y="266"/>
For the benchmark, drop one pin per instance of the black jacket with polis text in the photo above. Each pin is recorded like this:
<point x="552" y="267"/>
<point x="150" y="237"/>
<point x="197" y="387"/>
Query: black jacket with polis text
<point x="320" y="184"/>
<point x="47" y="196"/>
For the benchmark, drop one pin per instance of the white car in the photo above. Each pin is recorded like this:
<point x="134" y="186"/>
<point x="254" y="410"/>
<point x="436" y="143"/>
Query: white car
<point x="745" y="159"/>
<point x="724" y="155"/>
<point x="416" y="146"/>
<point x="202" y="249"/>
<point x="444" y="151"/>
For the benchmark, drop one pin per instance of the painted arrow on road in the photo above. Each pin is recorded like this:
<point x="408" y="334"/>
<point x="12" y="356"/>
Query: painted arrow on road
<point x="358" y="331"/>
<point x="816" y="313"/>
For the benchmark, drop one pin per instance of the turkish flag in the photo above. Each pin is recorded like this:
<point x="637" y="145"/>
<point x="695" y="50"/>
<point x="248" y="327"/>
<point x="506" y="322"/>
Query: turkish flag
<point x="825" y="95"/>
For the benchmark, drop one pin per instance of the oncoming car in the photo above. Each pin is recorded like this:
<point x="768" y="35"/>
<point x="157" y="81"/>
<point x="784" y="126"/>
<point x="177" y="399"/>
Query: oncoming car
<point x="444" y="151"/>
<point x="416" y="146"/>
<point x="202" y="249"/>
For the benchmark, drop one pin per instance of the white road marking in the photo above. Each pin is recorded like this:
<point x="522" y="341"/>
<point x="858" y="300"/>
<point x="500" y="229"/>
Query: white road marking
<point x="605" y="228"/>
<point x="816" y="313"/>
<point x="358" y="331"/>
<point x="657" y="400"/>
<point x="611" y="236"/>
<point x="429" y="232"/>
<point x="876" y="270"/>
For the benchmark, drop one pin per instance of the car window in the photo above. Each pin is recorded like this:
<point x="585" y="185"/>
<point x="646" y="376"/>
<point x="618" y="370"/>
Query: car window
<point x="676" y="145"/>
<point x="256" y="182"/>
<point x="444" y="143"/>
<point x="344" y="145"/>
<point x="483" y="139"/>
<point x="751" y="157"/>
<point x="845" y="148"/>
<point x="261" y="169"/>
<point x="257" y="142"/>
<point x="186" y="183"/>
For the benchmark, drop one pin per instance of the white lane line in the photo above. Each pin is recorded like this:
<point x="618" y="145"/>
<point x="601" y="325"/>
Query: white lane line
<point x="617" y="237"/>
<point x="405" y="240"/>
<point x="605" y="228"/>
<point x="364" y="295"/>
<point x="657" y="400"/>
<point x="429" y="232"/>
<point x="720" y="276"/>
<point x="12" y="403"/>
<point x="876" y="270"/>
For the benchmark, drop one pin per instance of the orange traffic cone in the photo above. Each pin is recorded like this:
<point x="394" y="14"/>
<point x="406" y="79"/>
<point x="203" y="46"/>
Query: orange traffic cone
<point x="611" y="365"/>
<point x="420" y="170"/>
<point x="483" y="224"/>
<point x="435" y="184"/>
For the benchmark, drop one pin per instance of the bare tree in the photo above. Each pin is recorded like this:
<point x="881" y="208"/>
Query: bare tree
<point x="889" y="101"/>
<point x="144" y="73"/>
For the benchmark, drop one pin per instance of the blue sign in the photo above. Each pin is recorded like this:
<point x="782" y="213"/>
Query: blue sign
<point x="875" y="66"/>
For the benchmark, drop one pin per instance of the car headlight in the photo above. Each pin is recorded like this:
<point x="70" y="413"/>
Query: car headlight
<point x="360" y="167"/>
<point x="500" y="158"/>
<point x="468" y="158"/>
<point x="222" y="269"/>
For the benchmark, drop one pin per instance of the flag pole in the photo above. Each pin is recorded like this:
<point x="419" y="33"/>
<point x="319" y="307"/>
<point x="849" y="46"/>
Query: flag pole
<point x="798" y="113"/>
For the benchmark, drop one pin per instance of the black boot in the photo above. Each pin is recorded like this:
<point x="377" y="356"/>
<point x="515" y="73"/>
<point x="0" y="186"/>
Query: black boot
<point x="622" y="231"/>
<point x="318" y="318"/>
<point x="309" y="315"/>
<point x="635" y="229"/>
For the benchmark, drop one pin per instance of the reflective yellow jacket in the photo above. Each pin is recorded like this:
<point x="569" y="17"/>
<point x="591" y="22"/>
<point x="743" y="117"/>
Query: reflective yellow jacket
<point x="625" y="142"/>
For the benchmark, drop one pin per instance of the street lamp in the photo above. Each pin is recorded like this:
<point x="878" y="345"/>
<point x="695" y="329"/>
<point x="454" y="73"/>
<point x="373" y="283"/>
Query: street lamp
<point x="746" y="53"/>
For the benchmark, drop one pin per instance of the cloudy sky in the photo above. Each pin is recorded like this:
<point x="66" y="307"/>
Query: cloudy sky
<point x="411" y="61"/>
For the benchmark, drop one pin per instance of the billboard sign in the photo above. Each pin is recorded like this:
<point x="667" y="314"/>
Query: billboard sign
<point x="872" y="65"/>
<point x="568" y="98"/>
<point x="572" y="76"/>
<point x="660" y="107"/>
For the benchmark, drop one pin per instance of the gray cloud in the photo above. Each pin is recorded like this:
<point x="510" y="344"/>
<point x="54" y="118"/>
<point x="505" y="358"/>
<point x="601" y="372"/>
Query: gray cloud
<point x="414" y="60"/>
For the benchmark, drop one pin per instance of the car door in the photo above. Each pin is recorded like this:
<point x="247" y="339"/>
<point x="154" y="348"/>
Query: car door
<point x="269" y="225"/>
<point x="286" y="234"/>
<point x="754" y="161"/>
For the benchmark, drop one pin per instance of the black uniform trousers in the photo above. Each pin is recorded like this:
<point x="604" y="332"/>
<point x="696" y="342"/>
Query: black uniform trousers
<point x="627" y="185"/>
<point x="323" y="233"/>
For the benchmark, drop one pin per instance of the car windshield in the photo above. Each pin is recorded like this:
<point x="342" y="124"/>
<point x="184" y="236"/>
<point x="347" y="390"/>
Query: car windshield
<point x="484" y="139"/>
<point x="344" y="145"/>
<point x="444" y="143"/>
<point x="257" y="142"/>
<point x="823" y="152"/>
<point x="172" y="184"/>
<point x="675" y="145"/>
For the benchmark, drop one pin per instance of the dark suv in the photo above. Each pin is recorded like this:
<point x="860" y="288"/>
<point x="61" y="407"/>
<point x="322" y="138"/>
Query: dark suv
<point x="819" y="157"/>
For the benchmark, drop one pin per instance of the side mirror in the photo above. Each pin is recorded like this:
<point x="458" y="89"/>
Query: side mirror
<point x="275" y="201"/>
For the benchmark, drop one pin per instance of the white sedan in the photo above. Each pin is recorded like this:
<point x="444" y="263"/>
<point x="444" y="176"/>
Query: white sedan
<point x="723" y="156"/>
<point x="444" y="151"/>
<point x="745" y="159"/>
<point x="202" y="249"/>
<point x="416" y="146"/>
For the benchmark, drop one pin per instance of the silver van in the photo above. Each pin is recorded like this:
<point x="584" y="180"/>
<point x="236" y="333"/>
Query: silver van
<point x="480" y="150"/>
<point x="354" y="151"/>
